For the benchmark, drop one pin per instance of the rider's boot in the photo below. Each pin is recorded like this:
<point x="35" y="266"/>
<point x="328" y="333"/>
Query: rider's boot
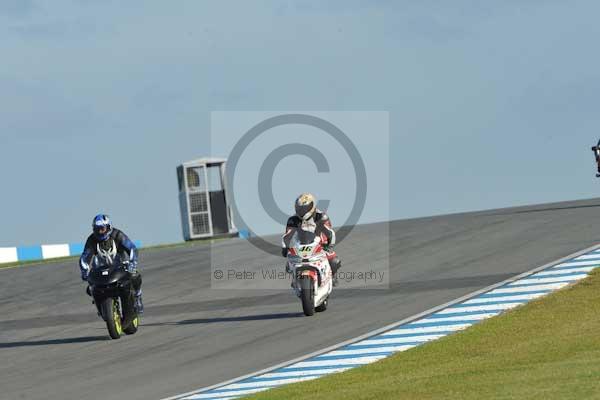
<point x="289" y="271"/>
<point x="139" y="306"/>
<point x="335" y="264"/>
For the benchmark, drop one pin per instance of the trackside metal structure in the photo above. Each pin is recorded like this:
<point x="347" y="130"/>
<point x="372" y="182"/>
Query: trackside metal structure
<point x="203" y="200"/>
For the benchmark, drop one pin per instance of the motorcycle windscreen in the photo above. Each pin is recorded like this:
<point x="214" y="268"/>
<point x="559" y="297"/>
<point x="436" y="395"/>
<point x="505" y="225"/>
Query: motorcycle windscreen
<point x="305" y="237"/>
<point x="102" y="263"/>
<point x="106" y="272"/>
<point x="107" y="276"/>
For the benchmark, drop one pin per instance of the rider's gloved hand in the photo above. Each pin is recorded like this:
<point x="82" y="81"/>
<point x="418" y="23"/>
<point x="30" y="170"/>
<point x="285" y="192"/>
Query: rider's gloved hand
<point x="131" y="267"/>
<point x="284" y="251"/>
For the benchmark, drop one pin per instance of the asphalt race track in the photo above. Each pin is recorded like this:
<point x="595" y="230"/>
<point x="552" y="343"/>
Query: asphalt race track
<point x="52" y="344"/>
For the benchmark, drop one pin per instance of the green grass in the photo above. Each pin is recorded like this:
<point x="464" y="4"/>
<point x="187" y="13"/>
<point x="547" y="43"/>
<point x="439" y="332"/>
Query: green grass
<point x="547" y="349"/>
<point x="142" y="251"/>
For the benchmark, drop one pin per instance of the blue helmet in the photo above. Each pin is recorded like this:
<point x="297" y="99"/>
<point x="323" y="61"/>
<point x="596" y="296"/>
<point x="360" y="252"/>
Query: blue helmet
<point x="102" y="227"/>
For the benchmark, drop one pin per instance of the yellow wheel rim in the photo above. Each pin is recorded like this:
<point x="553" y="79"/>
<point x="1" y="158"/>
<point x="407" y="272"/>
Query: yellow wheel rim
<point x="117" y="318"/>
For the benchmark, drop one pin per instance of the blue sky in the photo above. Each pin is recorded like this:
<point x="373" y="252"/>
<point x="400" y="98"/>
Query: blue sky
<point x="491" y="104"/>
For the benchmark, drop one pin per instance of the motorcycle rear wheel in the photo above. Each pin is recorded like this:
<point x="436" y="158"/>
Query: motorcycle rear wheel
<point x="130" y="314"/>
<point x="133" y="326"/>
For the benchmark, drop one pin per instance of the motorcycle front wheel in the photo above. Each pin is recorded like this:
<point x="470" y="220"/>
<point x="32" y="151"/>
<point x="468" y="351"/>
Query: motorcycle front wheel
<point x="112" y="315"/>
<point x="307" y="296"/>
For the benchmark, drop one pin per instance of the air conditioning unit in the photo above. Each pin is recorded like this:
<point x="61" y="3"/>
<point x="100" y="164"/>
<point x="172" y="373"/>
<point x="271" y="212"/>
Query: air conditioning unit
<point x="203" y="200"/>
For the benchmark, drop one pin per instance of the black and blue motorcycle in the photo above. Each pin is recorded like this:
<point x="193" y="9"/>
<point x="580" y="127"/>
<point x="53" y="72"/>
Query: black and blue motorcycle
<point x="112" y="289"/>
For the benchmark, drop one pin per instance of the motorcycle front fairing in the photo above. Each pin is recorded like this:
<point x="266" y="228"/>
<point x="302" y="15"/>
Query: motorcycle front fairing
<point x="108" y="281"/>
<point x="307" y="255"/>
<point x="317" y="265"/>
<point x="107" y="276"/>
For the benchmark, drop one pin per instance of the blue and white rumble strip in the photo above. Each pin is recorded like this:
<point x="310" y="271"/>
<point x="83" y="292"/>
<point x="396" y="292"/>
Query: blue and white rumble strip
<point x="444" y="320"/>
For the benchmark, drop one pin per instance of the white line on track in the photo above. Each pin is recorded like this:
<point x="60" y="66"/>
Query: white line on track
<point x="577" y="263"/>
<point x="595" y="256"/>
<point x="227" y="395"/>
<point x="381" y="349"/>
<point x="553" y="271"/>
<point x="339" y="362"/>
<point x="475" y="317"/>
<point x="518" y="297"/>
<point x="409" y="339"/>
<point x="429" y="329"/>
<point x="279" y="382"/>
<point x="542" y="280"/>
<point x="306" y="372"/>
<point x="525" y="289"/>
<point x="487" y="307"/>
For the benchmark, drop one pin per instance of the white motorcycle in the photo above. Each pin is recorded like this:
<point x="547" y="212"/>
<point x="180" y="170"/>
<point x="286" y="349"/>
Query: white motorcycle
<point x="312" y="275"/>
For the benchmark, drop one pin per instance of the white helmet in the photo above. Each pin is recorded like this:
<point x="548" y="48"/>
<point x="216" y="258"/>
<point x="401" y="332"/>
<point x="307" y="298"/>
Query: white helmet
<point x="305" y="206"/>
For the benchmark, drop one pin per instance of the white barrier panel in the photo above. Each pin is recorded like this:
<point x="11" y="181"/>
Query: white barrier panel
<point x="43" y="252"/>
<point x="55" y="250"/>
<point x="8" y="254"/>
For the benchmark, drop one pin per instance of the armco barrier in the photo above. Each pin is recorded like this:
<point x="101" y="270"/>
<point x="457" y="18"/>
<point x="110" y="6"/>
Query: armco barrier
<point x="42" y="252"/>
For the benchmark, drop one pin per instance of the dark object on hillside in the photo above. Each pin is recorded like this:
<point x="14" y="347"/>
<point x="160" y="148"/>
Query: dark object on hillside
<point x="596" y="150"/>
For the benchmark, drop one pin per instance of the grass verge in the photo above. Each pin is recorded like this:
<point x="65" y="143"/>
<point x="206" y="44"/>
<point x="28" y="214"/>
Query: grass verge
<point x="546" y="349"/>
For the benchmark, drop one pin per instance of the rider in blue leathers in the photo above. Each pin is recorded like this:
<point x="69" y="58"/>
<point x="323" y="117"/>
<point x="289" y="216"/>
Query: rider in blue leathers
<point x="104" y="233"/>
